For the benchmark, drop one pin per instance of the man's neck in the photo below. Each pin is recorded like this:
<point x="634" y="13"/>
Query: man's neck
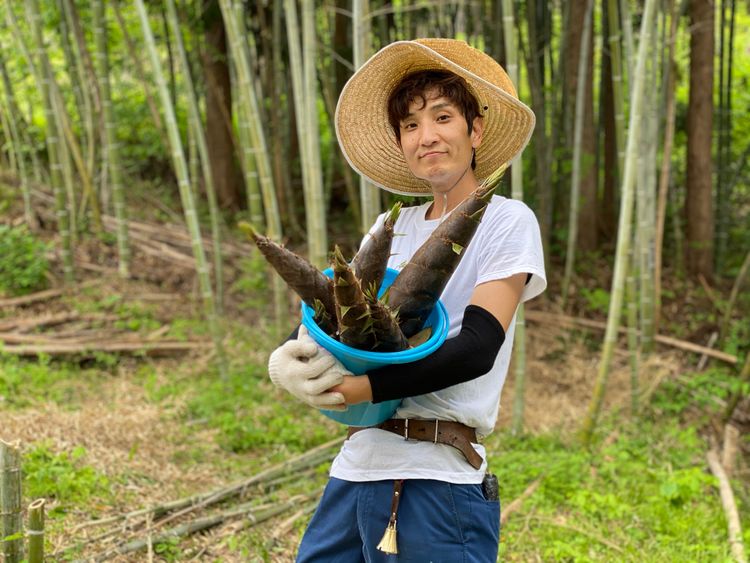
<point x="444" y="202"/>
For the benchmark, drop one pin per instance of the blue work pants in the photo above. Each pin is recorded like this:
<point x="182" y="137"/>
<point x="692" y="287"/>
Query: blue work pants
<point x="437" y="522"/>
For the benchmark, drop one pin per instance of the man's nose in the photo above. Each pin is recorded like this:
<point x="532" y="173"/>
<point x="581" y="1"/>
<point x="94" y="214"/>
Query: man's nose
<point x="428" y="134"/>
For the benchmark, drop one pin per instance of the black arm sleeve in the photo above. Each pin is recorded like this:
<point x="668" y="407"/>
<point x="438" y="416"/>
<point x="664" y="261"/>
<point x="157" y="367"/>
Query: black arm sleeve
<point x="467" y="356"/>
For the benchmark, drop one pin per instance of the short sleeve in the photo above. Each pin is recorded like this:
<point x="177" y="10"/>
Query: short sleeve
<point x="512" y="245"/>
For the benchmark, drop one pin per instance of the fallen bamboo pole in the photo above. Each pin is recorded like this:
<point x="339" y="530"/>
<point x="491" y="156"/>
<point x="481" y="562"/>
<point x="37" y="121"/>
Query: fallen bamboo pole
<point x="200" y="524"/>
<point x="11" y="518"/>
<point x="45" y="295"/>
<point x="309" y="457"/>
<point x="36" y="531"/>
<point x="237" y="489"/>
<point x="516" y="504"/>
<point x="552" y="318"/>
<point x="23" y="325"/>
<point x="90" y="349"/>
<point x="730" y="507"/>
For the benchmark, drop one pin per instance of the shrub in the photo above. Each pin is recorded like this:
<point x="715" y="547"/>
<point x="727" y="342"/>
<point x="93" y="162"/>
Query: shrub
<point x="24" y="266"/>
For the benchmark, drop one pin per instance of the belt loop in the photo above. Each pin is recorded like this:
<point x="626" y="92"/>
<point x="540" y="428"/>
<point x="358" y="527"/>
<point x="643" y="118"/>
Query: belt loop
<point x="437" y="423"/>
<point x="406" y="429"/>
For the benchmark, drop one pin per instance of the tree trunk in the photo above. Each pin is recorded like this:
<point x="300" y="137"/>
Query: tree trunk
<point x="611" y="165"/>
<point x="698" y="203"/>
<point x="542" y="143"/>
<point x="587" y="222"/>
<point x="219" y="101"/>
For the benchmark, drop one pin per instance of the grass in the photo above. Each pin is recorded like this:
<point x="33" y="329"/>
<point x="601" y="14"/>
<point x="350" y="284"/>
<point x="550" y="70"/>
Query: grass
<point x="645" y="495"/>
<point x="641" y="493"/>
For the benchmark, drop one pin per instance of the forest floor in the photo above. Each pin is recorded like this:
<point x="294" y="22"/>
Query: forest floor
<point x="106" y="434"/>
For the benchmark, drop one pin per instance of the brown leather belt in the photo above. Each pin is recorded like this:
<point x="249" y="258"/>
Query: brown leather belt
<point x="453" y="434"/>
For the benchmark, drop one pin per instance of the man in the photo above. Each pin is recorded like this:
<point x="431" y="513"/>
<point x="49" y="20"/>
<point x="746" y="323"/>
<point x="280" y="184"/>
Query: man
<point x="426" y="117"/>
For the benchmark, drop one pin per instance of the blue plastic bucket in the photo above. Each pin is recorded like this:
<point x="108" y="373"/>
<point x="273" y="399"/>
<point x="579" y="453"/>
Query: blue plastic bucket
<point x="361" y="361"/>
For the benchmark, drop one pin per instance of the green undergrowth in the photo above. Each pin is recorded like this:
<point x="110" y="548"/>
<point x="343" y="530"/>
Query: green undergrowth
<point x="642" y="493"/>
<point x="63" y="478"/>
<point x="26" y="382"/>
<point x="249" y="413"/>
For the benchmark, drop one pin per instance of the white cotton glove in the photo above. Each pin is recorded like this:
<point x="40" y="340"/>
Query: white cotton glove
<point x="307" y="370"/>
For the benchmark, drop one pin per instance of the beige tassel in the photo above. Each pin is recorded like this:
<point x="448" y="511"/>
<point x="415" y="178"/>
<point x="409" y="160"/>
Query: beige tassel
<point x="388" y="543"/>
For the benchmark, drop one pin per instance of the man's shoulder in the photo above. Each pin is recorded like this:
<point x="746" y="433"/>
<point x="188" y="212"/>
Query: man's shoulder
<point x="505" y="209"/>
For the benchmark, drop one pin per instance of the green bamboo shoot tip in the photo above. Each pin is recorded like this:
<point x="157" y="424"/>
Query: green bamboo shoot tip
<point x="494" y="179"/>
<point x="248" y="229"/>
<point x="338" y="256"/>
<point x="395" y="211"/>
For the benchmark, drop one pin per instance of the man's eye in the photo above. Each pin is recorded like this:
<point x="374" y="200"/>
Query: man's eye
<point x="443" y="117"/>
<point x="408" y="126"/>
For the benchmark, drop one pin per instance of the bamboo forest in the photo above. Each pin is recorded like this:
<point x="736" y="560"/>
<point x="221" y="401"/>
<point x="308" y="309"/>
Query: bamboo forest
<point x="153" y="154"/>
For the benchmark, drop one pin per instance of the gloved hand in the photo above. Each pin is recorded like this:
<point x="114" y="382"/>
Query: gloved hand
<point x="306" y="370"/>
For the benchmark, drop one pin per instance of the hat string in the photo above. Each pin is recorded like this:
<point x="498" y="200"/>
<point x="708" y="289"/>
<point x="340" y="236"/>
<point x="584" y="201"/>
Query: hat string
<point x="445" y="194"/>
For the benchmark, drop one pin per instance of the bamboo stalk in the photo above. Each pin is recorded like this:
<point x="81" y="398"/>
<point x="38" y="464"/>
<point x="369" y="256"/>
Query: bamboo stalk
<point x="645" y="209"/>
<point x="730" y="507"/>
<point x="11" y="515"/>
<point x="111" y="146"/>
<point x="624" y="230"/>
<point x="575" y="191"/>
<point x="51" y="138"/>
<point x="666" y="164"/>
<point x="742" y="275"/>
<point x="301" y="67"/>
<point x="141" y="74"/>
<point x="186" y="196"/>
<point x="244" y="121"/>
<point x="733" y="401"/>
<point x="632" y="331"/>
<point x="200" y="139"/>
<point x="369" y="195"/>
<point x="86" y="105"/>
<point x="236" y="35"/>
<point x="36" y="531"/>
<point x="16" y="146"/>
<point x="519" y="341"/>
<point x="72" y="147"/>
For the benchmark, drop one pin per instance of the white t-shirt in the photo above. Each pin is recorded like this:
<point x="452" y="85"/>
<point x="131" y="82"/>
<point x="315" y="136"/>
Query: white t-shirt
<point x="507" y="242"/>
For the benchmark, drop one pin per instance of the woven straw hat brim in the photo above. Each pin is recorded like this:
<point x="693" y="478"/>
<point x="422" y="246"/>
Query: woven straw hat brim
<point x="366" y="137"/>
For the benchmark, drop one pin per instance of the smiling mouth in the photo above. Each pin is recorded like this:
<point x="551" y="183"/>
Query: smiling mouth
<point x="433" y="153"/>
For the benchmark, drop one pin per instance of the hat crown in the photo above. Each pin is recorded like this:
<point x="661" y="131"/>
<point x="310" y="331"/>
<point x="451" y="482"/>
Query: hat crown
<point x="473" y="60"/>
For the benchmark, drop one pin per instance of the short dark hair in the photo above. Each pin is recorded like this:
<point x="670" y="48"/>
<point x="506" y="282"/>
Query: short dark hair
<point x="414" y="86"/>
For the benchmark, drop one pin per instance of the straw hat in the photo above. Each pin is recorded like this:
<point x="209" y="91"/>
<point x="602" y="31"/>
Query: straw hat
<point x="366" y="137"/>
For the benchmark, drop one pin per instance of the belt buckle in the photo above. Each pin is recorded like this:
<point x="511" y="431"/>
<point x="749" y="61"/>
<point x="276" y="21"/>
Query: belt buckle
<point x="437" y="423"/>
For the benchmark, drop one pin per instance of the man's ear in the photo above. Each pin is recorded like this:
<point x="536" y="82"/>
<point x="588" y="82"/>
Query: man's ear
<point x="477" y="129"/>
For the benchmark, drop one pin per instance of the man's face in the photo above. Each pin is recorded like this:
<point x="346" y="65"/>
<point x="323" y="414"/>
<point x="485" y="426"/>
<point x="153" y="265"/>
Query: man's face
<point x="435" y="141"/>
